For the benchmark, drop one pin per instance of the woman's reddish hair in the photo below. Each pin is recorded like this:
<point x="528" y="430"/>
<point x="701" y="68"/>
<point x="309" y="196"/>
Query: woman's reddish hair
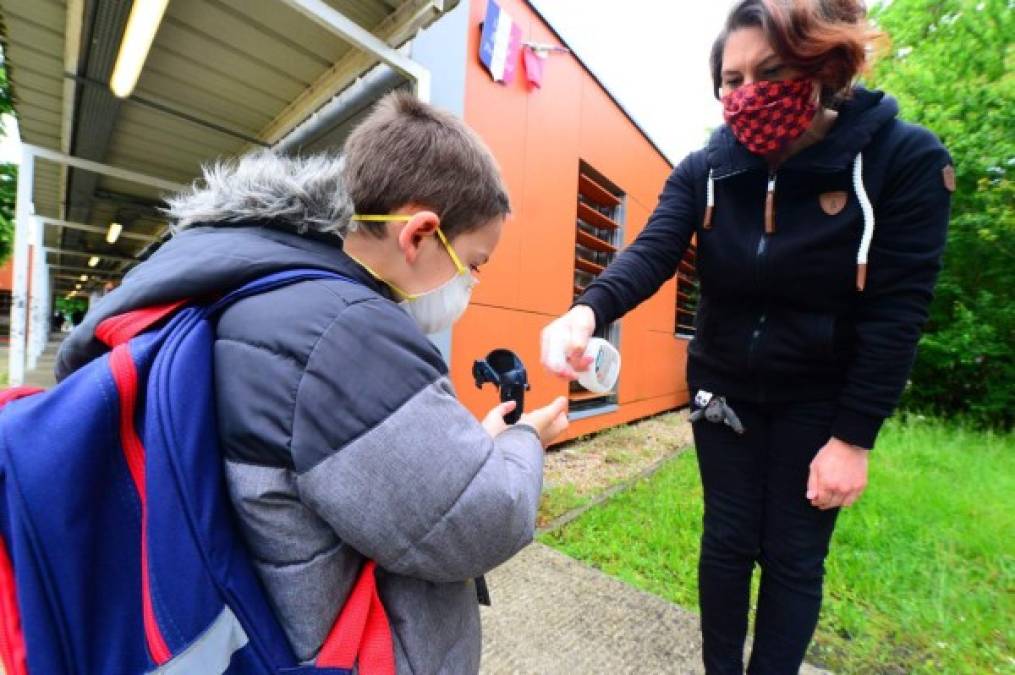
<point x="828" y="40"/>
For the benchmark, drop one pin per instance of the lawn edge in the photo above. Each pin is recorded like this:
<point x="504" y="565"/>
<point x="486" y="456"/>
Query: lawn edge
<point x="612" y="491"/>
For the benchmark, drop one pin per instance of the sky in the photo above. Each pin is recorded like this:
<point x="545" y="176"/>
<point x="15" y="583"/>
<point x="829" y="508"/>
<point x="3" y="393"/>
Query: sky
<point x="653" y="57"/>
<point x="651" y="54"/>
<point x="10" y="148"/>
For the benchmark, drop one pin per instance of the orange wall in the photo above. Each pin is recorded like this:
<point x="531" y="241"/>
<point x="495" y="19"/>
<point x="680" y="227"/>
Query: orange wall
<point x="538" y="138"/>
<point x="7" y="275"/>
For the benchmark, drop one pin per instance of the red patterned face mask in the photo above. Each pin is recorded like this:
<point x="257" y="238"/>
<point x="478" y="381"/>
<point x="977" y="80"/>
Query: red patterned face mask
<point x="767" y="116"/>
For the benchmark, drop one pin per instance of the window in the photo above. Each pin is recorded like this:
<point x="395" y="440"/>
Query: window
<point x="5" y="316"/>
<point x="687" y="293"/>
<point x="598" y="235"/>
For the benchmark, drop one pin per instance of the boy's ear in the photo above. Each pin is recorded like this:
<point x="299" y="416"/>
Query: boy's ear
<point x="423" y="224"/>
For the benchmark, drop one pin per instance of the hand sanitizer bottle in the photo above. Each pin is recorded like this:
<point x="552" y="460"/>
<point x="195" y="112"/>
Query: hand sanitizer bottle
<point x="601" y="375"/>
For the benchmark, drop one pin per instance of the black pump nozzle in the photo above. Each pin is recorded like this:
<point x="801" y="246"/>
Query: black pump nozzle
<point x="503" y="368"/>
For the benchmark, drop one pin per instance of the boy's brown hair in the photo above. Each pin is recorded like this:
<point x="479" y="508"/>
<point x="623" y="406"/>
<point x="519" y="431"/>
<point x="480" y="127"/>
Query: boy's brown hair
<point x="409" y="152"/>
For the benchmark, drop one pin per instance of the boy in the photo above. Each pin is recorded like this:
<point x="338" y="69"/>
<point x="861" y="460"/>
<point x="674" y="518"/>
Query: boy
<point x="342" y="437"/>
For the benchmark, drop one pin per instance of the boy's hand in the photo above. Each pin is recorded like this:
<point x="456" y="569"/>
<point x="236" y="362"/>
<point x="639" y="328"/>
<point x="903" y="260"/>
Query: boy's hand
<point x="494" y="421"/>
<point x="549" y="422"/>
<point x="564" y="341"/>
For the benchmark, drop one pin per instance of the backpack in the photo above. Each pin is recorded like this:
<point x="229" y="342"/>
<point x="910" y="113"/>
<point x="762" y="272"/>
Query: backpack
<point x="119" y="551"/>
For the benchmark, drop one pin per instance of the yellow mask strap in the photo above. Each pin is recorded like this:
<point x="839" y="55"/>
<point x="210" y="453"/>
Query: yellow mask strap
<point x="402" y="217"/>
<point x="398" y="291"/>
<point x="382" y="219"/>
<point x="451" y="251"/>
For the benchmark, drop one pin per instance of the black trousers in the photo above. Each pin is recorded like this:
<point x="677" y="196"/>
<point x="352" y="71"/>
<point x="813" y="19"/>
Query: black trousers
<point x="756" y="512"/>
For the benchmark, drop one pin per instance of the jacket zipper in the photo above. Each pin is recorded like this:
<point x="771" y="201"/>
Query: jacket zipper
<point x="759" y="259"/>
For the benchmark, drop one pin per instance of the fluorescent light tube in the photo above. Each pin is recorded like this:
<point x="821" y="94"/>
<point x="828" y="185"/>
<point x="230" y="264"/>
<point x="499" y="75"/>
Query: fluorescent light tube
<point x="145" y="17"/>
<point x="114" y="232"/>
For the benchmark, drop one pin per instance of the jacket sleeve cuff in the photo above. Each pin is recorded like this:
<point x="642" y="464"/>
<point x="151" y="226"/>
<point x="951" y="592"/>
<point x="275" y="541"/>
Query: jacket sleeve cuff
<point x="856" y="428"/>
<point x="523" y="426"/>
<point x="594" y="300"/>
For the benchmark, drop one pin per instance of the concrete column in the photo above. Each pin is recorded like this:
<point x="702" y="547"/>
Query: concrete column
<point x="39" y="303"/>
<point x="19" y="294"/>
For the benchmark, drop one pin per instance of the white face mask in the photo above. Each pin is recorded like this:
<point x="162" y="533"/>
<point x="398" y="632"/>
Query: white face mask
<point x="437" y="309"/>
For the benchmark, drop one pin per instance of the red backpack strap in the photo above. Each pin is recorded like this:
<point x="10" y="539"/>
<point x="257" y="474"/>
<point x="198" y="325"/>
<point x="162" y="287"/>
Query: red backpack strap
<point x="120" y="328"/>
<point x="361" y="632"/>
<point x="13" y="653"/>
<point x="14" y="393"/>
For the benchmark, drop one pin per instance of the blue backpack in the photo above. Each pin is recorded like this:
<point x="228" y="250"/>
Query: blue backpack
<point x="119" y="552"/>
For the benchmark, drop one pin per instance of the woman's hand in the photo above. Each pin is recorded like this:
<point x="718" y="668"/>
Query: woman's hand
<point x="838" y="475"/>
<point x="494" y="421"/>
<point x="564" y="341"/>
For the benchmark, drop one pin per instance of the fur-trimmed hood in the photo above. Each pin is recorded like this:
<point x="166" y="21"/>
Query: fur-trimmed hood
<point x="248" y="218"/>
<point x="299" y="193"/>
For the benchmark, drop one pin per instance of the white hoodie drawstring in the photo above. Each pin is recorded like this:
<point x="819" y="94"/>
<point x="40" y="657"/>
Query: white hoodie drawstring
<point x="709" y="201"/>
<point x="868" y="222"/>
<point x="865" y="207"/>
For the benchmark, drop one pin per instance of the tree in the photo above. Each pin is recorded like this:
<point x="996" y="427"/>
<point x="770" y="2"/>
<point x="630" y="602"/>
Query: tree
<point x="68" y="306"/>
<point x="950" y="68"/>
<point x="8" y="172"/>
<point x="8" y="193"/>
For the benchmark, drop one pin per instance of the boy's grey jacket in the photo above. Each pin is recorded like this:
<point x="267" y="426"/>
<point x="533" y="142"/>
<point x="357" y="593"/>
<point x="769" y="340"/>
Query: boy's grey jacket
<point x="343" y="439"/>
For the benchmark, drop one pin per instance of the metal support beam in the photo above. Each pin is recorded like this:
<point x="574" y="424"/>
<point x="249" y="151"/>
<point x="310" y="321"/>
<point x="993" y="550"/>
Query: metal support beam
<point x="76" y="279"/>
<point x="146" y="207"/>
<point x="97" y="230"/>
<point x="321" y="98"/>
<point x="105" y="169"/>
<point x="71" y="54"/>
<point x="89" y="254"/>
<point x="87" y="270"/>
<point x="166" y="110"/>
<point x="345" y="28"/>
<point x="353" y="99"/>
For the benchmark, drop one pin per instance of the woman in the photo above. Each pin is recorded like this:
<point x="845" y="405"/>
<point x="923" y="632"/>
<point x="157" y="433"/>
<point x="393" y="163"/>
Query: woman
<point x="820" y="221"/>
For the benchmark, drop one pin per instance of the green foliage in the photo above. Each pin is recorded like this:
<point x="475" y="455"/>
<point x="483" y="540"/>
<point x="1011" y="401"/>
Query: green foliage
<point x="966" y="366"/>
<point x="6" y="100"/>
<point x="67" y="306"/>
<point x="950" y="66"/>
<point x="8" y="172"/>
<point x="8" y="193"/>
<point x="920" y="570"/>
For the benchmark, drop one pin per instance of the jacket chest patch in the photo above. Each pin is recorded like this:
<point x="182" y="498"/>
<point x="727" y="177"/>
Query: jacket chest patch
<point x="833" y="202"/>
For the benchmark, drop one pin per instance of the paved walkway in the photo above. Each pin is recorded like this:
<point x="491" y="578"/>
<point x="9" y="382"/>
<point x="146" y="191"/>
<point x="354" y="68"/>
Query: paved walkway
<point x="552" y="615"/>
<point x="42" y="374"/>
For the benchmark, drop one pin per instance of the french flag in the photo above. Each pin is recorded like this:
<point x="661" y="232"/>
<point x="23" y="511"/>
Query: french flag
<point x="500" y="44"/>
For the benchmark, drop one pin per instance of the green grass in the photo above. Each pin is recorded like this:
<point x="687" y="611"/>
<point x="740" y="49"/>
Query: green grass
<point x="558" y="500"/>
<point x="921" y="577"/>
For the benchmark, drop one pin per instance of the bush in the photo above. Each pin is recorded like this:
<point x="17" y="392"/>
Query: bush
<point x="965" y="369"/>
<point x="950" y="69"/>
